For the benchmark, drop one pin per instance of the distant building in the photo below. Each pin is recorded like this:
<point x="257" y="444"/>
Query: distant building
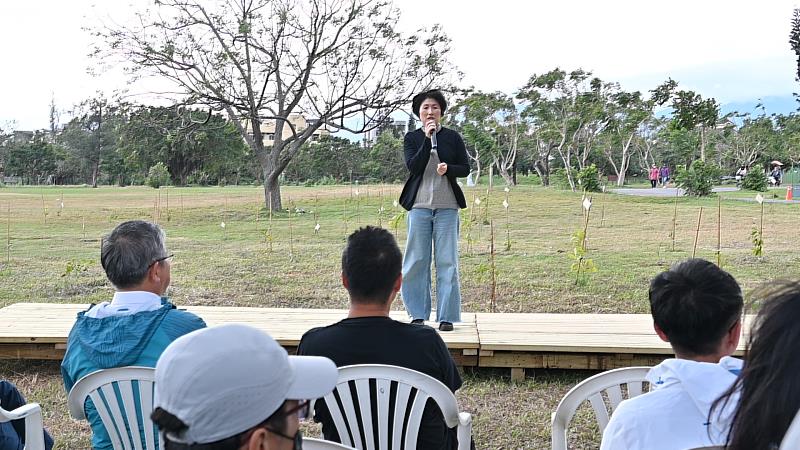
<point x="398" y="128"/>
<point x="299" y="122"/>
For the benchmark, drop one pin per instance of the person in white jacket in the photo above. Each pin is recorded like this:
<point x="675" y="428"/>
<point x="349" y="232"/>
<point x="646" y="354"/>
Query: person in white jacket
<point x="697" y="308"/>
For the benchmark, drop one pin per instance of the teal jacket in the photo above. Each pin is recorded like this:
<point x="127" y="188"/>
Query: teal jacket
<point x="118" y="341"/>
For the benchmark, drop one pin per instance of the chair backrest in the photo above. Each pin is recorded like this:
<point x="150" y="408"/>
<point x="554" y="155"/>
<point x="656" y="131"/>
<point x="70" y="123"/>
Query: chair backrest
<point x="791" y="440"/>
<point x="34" y="430"/>
<point x="397" y="421"/>
<point x="321" y="444"/>
<point x="123" y="397"/>
<point x="609" y="383"/>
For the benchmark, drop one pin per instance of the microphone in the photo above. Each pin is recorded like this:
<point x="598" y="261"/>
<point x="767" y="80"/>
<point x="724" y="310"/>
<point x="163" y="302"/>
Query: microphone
<point x="433" y="139"/>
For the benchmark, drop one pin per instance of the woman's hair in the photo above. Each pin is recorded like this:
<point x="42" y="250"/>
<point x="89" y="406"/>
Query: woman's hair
<point x="434" y="94"/>
<point x="169" y="423"/>
<point x="769" y="394"/>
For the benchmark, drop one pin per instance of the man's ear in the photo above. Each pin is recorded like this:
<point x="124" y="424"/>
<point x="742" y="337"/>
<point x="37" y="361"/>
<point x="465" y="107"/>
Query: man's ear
<point x="660" y="333"/>
<point x="345" y="283"/>
<point x="398" y="283"/>
<point x="258" y="440"/>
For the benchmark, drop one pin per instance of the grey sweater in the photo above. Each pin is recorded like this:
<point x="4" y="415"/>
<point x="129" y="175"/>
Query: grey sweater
<point x="435" y="191"/>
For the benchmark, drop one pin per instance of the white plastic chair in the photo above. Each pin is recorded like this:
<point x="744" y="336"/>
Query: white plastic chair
<point x="321" y="444"/>
<point x="114" y="413"/>
<point x="791" y="440"/>
<point x="407" y="385"/>
<point x="592" y="389"/>
<point x="34" y="429"/>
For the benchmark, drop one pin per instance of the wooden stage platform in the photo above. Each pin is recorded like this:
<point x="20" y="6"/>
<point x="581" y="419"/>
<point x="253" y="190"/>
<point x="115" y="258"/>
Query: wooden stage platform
<point x="513" y="341"/>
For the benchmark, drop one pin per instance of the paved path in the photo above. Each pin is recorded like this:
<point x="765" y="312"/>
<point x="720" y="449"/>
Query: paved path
<point x="672" y="192"/>
<point x="664" y="192"/>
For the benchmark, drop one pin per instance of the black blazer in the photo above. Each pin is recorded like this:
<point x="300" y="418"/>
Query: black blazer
<point x="417" y="150"/>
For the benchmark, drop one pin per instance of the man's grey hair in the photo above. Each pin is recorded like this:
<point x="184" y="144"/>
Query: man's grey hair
<point x="128" y="252"/>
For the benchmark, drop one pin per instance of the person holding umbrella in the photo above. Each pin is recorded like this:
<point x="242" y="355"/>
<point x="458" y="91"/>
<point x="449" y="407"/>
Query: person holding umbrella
<point x="777" y="172"/>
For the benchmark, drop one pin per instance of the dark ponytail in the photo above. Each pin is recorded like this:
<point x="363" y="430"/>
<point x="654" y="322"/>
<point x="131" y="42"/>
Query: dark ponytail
<point x="167" y="422"/>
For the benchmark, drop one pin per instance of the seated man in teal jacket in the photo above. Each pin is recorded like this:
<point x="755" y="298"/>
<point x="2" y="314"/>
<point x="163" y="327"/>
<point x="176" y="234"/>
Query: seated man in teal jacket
<point x="137" y="325"/>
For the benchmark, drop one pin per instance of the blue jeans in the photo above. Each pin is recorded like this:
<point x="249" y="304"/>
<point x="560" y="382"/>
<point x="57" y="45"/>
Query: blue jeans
<point x="435" y="230"/>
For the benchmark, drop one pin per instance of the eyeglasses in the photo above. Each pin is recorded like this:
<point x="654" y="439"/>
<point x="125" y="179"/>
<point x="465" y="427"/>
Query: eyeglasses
<point x="163" y="258"/>
<point x="297" y="439"/>
<point x="302" y="410"/>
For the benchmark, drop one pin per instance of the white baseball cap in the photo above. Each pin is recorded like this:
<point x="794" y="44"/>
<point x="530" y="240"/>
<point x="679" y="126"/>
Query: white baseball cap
<point x="223" y="380"/>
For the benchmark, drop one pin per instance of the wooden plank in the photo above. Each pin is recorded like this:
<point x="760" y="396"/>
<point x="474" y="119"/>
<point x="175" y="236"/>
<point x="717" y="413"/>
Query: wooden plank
<point x="31" y="351"/>
<point x="551" y="360"/>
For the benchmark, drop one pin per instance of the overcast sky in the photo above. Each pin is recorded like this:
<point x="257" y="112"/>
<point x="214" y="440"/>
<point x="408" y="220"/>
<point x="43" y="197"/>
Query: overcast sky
<point x="733" y="50"/>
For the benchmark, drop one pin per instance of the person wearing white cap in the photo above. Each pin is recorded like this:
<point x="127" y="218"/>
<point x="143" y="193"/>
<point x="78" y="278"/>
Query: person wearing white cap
<point x="233" y="387"/>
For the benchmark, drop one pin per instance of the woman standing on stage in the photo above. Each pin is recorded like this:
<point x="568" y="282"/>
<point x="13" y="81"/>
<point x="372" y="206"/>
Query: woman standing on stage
<point x="435" y="156"/>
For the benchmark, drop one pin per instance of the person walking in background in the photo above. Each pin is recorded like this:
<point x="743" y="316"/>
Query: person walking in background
<point x="653" y="176"/>
<point x="435" y="156"/>
<point x="664" y="174"/>
<point x="776" y="175"/>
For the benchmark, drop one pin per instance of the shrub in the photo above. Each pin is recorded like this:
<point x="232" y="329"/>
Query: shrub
<point x="755" y="181"/>
<point x="558" y="178"/>
<point x="158" y="176"/>
<point x="198" y="177"/>
<point x="698" y="179"/>
<point x="589" y="179"/>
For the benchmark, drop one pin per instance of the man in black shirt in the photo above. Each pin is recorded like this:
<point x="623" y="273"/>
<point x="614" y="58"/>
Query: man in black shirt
<point x="371" y="265"/>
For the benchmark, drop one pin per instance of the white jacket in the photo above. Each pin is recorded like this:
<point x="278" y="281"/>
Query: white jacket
<point x="674" y="414"/>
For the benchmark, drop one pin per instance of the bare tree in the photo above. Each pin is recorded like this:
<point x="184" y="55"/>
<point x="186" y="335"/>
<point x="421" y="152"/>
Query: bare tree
<point x="264" y="60"/>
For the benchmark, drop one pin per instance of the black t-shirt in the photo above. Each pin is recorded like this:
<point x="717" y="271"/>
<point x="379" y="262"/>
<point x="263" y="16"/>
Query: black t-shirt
<point x="382" y="340"/>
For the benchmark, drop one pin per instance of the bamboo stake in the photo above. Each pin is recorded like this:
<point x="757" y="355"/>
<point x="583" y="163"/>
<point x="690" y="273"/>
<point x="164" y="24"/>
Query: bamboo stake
<point x="675" y="219"/>
<point x="761" y="226"/>
<point x="697" y="232"/>
<point x="8" y="234"/>
<point x="44" y="210"/>
<point x="269" y="226"/>
<point x="291" y="234"/>
<point x="493" y="295"/>
<point x="719" y="231"/>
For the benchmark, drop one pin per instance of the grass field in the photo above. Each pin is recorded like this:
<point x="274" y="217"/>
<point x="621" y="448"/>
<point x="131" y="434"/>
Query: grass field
<point x="257" y="261"/>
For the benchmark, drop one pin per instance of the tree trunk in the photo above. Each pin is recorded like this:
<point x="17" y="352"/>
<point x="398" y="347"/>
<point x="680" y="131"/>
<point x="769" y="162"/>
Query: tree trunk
<point x="272" y="186"/>
<point x="95" y="173"/>
<point x="543" y="170"/>
<point x="703" y="144"/>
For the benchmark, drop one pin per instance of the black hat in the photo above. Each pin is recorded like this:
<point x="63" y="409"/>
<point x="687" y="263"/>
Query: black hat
<point x="435" y="94"/>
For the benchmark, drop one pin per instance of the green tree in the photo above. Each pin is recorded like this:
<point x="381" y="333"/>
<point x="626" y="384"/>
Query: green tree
<point x="91" y="136"/>
<point x="690" y="111"/>
<point x="385" y="160"/>
<point x="35" y="161"/>
<point x="627" y="113"/>
<point x="263" y="60"/>
<point x="185" y="140"/>
<point x="564" y="113"/>
<point x="331" y="157"/>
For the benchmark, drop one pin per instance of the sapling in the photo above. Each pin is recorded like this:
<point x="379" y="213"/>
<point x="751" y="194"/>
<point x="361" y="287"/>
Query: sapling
<point x="581" y="264"/>
<point x="757" y="235"/>
<point x="508" y="222"/>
